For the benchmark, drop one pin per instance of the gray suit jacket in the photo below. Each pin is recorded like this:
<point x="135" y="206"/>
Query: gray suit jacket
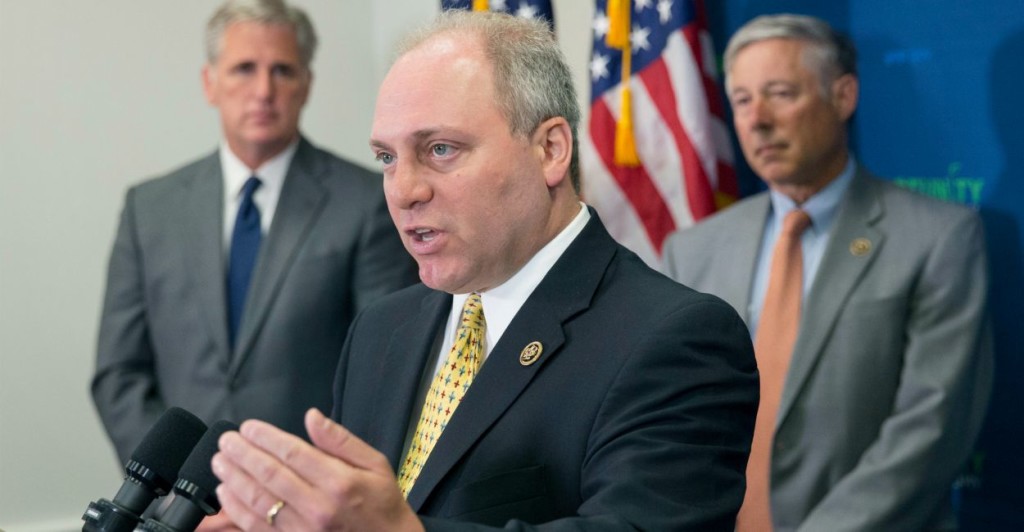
<point x="163" y="338"/>
<point x="892" y="368"/>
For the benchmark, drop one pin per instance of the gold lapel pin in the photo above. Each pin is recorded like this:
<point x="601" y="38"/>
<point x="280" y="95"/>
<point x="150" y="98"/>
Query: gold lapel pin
<point x="531" y="353"/>
<point x="860" y="247"/>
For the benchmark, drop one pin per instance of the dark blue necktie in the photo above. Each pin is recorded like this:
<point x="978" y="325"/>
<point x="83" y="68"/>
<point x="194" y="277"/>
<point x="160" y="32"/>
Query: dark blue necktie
<point x="245" y="245"/>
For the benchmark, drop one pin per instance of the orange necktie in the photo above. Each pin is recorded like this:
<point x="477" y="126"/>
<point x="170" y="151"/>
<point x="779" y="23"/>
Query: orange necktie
<point x="446" y="390"/>
<point x="773" y="347"/>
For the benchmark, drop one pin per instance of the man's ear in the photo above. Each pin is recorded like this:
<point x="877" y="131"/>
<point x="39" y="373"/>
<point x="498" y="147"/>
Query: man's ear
<point x="845" y="91"/>
<point x="553" y="139"/>
<point x="208" y="77"/>
<point x="309" y="84"/>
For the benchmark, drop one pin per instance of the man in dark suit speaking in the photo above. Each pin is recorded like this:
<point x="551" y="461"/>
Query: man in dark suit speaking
<point x="233" y="280"/>
<point x="589" y="393"/>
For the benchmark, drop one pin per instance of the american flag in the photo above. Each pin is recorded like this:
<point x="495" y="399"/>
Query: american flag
<point x="684" y="170"/>
<point x="519" y="8"/>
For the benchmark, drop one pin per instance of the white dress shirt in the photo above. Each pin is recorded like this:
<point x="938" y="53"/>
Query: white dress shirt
<point x="235" y="173"/>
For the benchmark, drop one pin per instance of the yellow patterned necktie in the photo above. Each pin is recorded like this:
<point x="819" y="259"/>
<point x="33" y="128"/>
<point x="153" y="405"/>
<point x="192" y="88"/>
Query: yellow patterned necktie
<point x="446" y="390"/>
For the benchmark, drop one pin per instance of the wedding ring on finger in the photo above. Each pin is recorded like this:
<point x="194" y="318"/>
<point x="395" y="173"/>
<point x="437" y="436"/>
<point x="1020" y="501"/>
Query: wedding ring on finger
<point x="273" y="511"/>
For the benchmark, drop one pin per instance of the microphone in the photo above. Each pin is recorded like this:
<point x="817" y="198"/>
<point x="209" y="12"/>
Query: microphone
<point x="194" y="496"/>
<point x="148" y="474"/>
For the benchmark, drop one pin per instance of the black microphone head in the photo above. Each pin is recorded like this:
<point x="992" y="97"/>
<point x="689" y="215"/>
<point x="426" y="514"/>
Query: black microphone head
<point x="194" y="496"/>
<point x="196" y="479"/>
<point x="165" y="448"/>
<point x="149" y="473"/>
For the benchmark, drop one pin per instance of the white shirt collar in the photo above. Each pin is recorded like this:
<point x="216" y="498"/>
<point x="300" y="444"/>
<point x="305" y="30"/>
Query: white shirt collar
<point x="271" y="174"/>
<point x="502" y="303"/>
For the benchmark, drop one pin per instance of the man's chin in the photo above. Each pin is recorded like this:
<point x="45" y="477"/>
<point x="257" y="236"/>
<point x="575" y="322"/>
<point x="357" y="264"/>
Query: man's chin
<point x="269" y="140"/>
<point x="444" y="281"/>
<point x="775" y="175"/>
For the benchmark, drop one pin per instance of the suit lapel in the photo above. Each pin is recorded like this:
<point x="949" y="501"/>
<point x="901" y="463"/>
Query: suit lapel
<point x="838" y="274"/>
<point x="402" y="366"/>
<point x="204" y="249"/>
<point x="565" y="291"/>
<point x="735" y="267"/>
<point x="301" y="202"/>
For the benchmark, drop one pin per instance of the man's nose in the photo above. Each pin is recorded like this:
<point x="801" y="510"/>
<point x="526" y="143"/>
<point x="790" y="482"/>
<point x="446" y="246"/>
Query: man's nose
<point x="406" y="187"/>
<point x="265" y="85"/>
<point x="761" y="116"/>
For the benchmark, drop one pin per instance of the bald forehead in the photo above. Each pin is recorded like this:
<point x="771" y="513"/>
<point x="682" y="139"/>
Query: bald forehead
<point x="448" y="57"/>
<point x="447" y="43"/>
<point x="436" y="83"/>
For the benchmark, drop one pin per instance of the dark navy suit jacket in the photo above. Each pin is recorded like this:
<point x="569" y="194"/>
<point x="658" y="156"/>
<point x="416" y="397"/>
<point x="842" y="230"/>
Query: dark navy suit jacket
<point x="638" y="414"/>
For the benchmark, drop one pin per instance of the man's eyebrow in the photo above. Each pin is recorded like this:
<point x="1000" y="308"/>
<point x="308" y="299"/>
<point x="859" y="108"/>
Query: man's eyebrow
<point x="425" y="133"/>
<point x="778" y="83"/>
<point x="416" y="135"/>
<point x="770" y="84"/>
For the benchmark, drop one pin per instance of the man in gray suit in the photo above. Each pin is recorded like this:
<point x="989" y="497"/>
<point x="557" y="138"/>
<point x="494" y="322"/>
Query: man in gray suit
<point x="890" y="369"/>
<point x="182" y="323"/>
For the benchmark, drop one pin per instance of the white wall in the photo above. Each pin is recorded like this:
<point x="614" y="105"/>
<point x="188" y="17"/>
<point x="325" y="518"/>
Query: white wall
<point x="95" y="96"/>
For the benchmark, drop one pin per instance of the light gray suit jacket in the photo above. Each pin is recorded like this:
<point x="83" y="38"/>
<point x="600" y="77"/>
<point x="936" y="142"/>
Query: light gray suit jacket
<point x="892" y="369"/>
<point x="163" y="341"/>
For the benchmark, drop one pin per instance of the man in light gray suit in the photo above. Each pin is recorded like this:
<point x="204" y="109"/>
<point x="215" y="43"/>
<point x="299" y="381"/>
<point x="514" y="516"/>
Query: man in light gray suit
<point x="320" y="247"/>
<point x="890" y="370"/>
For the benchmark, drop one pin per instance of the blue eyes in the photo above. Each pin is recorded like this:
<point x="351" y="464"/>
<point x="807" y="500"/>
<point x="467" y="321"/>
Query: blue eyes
<point x="439" y="150"/>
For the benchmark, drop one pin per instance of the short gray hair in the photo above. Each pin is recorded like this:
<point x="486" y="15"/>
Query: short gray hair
<point x="264" y="12"/>
<point x="531" y="77"/>
<point x="831" y="54"/>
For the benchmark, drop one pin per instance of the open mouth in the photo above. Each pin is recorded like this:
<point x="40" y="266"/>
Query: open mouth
<point x="423" y="234"/>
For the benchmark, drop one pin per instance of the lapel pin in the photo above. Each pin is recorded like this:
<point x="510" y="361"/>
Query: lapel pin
<point x="860" y="247"/>
<point x="530" y="353"/>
